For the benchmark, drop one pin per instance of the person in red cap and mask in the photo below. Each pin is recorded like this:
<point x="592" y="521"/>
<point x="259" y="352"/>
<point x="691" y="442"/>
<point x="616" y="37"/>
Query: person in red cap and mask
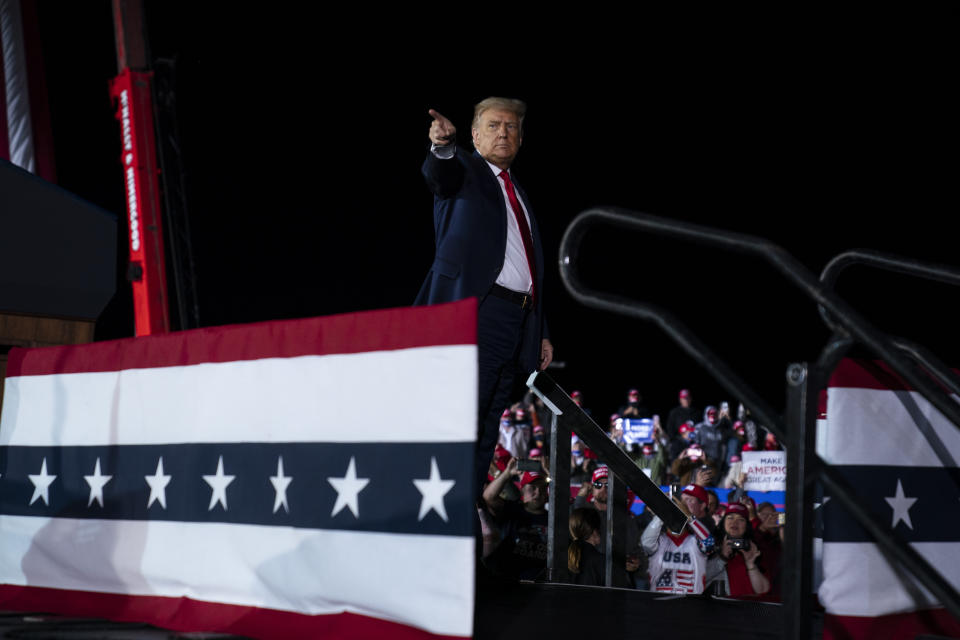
<point x="737" y="569"/>
<point x="512" y="437"/>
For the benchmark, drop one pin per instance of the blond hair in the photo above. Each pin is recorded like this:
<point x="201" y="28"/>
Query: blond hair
<point x="518" y="107"/>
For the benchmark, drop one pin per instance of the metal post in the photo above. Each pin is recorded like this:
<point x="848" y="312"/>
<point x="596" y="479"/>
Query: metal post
<point x="797" y="575"/>
<point x="614" y="558"/>
<point x="558" y="525"/>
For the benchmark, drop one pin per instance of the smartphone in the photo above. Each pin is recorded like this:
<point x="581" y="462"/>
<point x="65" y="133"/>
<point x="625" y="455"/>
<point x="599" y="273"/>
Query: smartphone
<point x="675" y="490"/>
<point x="781" y="519"/>
<point x="528" y="464"/>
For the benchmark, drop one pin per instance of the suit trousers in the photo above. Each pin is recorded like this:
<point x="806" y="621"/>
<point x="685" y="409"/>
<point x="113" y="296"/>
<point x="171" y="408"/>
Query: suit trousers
<point x="500" y="330"/>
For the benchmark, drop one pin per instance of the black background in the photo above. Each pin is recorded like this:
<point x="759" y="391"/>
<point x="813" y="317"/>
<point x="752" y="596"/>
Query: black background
<point x="303" y="134"/>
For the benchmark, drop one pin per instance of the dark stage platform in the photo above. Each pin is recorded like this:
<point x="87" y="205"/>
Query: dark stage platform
<point x="528" y="610"/>
<point x="510" y="611"/>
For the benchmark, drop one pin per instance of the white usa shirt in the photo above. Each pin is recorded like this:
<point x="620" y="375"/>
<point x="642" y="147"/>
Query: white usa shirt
<point x="678" y="566"/>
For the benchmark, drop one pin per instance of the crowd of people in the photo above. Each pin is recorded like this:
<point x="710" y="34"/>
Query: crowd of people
<point x="732" y="548"/>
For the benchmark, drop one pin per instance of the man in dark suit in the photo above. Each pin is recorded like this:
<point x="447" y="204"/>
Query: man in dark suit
<point x="488" y="247"/>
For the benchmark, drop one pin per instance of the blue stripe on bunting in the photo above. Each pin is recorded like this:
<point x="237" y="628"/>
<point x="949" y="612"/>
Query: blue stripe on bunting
<point x="390" y="502"/>
<point x="930" y="498"/>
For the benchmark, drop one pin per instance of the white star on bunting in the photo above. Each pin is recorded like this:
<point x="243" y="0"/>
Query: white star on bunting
<point x="219" y="484"/>
<point x="41" y="484"/>
<point x="280" y="484"/>
<point x="901" y="506"/>
<point x="348" y="490"/>
<point x="433" y="489"/>
<point x="96" y="482"/>
<point x="158" y="486"/>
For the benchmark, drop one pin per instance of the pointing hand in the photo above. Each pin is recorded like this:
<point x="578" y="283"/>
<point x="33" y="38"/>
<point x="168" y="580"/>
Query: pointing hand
<point x="442" y="131"/>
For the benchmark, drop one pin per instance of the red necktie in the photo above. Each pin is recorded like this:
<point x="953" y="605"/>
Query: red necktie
<point x="524" y="229"/>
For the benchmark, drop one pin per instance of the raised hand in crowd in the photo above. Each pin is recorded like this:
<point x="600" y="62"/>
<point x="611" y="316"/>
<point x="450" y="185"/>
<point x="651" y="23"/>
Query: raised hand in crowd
<point x="705" y="476"/>
<point x="493" y="489"/>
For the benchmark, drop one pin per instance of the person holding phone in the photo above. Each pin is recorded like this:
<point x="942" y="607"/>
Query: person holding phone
<point x="736" y="569"/>
<point x="522" y="552"/>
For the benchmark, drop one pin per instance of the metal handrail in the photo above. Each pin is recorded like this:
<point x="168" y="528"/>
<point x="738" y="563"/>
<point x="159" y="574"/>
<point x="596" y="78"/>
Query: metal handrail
<point x="851" y="321"/>
<point x="907" y="266"/>
<point x="889" y="262"/>
<point x="855" y="324"/>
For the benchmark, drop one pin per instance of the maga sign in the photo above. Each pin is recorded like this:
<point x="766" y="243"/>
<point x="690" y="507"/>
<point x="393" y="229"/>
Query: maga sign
<point x="766" y="470"/>
<point x="637" y="431"/>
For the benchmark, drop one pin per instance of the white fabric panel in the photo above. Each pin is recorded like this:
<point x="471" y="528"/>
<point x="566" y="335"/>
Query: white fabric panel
<point x="858" y="580"/>
<point x="872" y="427"/>
<point x="234" y="564"/>
<point x="423" y="394"/>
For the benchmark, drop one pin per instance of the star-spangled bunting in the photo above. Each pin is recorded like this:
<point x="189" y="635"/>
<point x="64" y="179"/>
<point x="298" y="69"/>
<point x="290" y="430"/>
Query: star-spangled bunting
<point x="41" y="484"/>
<point x="280" y="483"/>
<point x="432" y="491"/>
<point x="96" y="482"/>
<point x="901" y="504"/>
<point x="158" y="486"/>
<point x="93" y="490"/>
<point x="218" y="483"/>
<point x="348" y="489"/>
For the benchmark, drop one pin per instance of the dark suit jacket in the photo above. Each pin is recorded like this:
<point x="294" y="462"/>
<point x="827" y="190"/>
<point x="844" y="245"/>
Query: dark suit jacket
<point x="470" y="221"/>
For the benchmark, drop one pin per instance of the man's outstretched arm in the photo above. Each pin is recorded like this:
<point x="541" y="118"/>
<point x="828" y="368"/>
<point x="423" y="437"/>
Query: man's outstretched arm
<point x="442" y="171"/>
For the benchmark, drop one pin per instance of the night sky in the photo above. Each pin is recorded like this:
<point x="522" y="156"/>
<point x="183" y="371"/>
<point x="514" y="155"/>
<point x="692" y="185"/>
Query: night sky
<point x="303" y="137"/>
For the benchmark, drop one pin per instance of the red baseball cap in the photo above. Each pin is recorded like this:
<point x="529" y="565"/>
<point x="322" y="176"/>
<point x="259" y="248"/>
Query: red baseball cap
<point x="736" y="507"/>
<point x="684" y="393"/>
<point x="601" y="472"/>
<point x="696" y="491"/>
<point x="528" y="477"/>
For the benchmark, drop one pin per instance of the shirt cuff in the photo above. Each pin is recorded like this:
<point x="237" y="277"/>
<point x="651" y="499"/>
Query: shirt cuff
<point x="445" y="152"/>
